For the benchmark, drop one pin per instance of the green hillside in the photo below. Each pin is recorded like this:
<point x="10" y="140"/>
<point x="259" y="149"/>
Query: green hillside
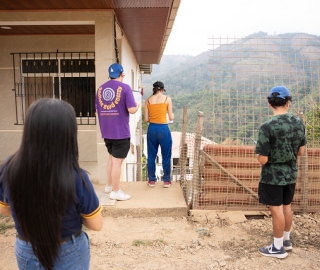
<point x="230" y="84"/>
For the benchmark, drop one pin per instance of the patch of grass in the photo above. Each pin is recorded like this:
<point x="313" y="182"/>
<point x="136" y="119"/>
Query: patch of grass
<point x="5" y="226"/>
<point x="5" y="223"/>
<point x="203" y="232"/>
<point x="140" y="242"/>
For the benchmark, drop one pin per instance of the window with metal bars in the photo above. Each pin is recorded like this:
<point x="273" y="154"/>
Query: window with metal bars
<point x="69" y="76"/>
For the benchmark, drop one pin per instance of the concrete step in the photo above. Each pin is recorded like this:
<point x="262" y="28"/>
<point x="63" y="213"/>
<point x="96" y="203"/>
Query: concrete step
<point x="145" y="201"/>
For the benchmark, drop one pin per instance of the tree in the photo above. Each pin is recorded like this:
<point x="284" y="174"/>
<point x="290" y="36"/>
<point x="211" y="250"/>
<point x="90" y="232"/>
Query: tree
<point x="313" y="126"/>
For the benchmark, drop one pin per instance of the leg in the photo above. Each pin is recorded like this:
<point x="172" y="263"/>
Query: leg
<point x="166" y="151"/>
<point x="288" y="217"/>
<point x="287" y="227"/>
<point x="278" y="223"/>
<point x="109" y="168"/>
<point x="272" y="195"/>
<point x="276" y="249"/>
<point x="108" y="187"/>
<point x="152" y="145"/>
<point x="118" y="150"/>
<point x="278" y="220"/>
<point x="117" y="193"/>
<point x="288" y="195"/>
<point x="116" y="173"/>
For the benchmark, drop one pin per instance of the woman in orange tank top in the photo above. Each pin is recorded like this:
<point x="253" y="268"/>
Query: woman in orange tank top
<point x="158" y="111"/>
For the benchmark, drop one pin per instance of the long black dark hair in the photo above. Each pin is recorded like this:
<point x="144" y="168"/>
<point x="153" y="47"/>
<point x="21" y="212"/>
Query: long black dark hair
<point x="40" y="175"/>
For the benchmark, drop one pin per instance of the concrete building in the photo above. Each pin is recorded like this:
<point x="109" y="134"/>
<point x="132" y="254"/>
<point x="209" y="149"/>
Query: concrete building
<point x="62" y="49"/>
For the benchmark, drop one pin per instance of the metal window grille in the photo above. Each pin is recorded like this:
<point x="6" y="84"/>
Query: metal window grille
<point x="69" y="76"/>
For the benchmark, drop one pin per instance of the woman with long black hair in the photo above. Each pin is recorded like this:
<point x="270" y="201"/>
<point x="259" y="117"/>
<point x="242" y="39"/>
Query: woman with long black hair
<point x="49" y="196"/>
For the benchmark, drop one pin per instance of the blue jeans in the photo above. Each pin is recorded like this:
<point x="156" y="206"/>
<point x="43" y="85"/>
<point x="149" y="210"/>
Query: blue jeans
<point x="159" y="134"/>
<point x="74" y="254"/>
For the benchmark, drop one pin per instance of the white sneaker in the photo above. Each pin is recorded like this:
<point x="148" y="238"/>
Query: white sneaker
<point x="119" y="196"/>
<point x="108" y="189"/>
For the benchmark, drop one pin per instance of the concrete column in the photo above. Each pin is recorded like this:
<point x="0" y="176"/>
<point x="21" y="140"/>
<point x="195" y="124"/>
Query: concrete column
<point x="104" y="57"/>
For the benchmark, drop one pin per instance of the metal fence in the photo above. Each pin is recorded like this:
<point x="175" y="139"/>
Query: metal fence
<point x="217" y="167"/>
<point x="139" y="172"/>
<point x="226" y="176"/>
<point x="226" y="172"/>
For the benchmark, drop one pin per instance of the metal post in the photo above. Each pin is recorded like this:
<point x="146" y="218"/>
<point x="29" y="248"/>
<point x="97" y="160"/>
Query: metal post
<point x="183" y="155"/>
<point x="138" y="151"/>
<point x="196" y="180"/>
<point x="303" y="177"/>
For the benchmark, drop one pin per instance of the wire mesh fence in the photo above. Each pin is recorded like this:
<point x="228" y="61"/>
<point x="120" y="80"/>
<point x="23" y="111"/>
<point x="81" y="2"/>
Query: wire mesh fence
<point x="226" y="172"/>
<point x="139" y="172"/>
<point x="216" y="163"/>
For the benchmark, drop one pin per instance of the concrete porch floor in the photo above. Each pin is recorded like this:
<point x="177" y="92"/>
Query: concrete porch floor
<point x="145" y="201"/>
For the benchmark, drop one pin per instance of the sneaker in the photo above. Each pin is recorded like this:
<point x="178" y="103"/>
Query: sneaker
<point x="287" y="245"/>
<point x="271" y="251"/>
<point x="152" y="183"/>
<point x="166" y="184"/>
<point x="119" y="196"/>
<point x="108" y="189"/>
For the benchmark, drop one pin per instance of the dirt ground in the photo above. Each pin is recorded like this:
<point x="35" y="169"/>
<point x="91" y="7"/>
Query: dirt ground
<point x="181" y="243"/>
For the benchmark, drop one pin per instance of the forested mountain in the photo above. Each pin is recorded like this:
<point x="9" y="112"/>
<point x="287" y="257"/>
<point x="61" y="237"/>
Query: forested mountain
<point x="230" y="83"/>
<point x="180" y="73"/>
<point x="185" y="79"/>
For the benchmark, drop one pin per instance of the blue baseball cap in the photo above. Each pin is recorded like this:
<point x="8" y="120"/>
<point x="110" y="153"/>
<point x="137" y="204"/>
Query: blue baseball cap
<point x="115" y="70"/>
<point x="279" y="92"/>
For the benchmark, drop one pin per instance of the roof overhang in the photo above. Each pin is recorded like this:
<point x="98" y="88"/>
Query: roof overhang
<point x="147" y="24"/>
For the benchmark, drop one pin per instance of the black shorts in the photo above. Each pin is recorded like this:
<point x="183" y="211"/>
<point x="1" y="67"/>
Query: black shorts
<point x="118" y="148"/>
<point x="276" y="195"/>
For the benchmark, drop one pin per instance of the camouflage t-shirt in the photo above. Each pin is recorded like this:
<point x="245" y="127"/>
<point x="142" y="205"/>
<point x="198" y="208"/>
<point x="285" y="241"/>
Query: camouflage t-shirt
<point x="280" y="139"/>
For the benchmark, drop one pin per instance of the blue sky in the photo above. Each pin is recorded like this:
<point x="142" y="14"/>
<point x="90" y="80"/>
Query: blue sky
<point x="198" y="21"/>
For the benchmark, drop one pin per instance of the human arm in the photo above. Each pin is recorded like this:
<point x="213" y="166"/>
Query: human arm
<point x="262" y="159"/>
<point x="146" y="111"/>
<point x="5" y="209"/>
<point x="94" y="222"/>
<point x="303" y="143"/>
<point x="88" y="205"/>
<point x="170" y="113"/>
<point x="262" y="147"/>
<point x="133" y="110"/>
<point x="4" y="205"/>
<point x="301" y="150"/>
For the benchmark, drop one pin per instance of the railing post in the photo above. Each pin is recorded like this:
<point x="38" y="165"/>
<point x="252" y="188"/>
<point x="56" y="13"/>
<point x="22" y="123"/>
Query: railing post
<point x="196" y="180"/>
<point x="303" y="177"/>
<point x="183" y="155"/>
<point x="138" y="150"/>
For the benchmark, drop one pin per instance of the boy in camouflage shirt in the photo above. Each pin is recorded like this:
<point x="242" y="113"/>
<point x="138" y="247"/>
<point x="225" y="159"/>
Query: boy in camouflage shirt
<point x="281" y="139"/>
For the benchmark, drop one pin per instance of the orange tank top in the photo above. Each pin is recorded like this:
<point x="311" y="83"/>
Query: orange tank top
<point x="158" y="112"/>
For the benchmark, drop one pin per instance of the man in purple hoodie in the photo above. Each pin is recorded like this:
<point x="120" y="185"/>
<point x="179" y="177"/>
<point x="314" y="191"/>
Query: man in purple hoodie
<point x="114" y="103"/>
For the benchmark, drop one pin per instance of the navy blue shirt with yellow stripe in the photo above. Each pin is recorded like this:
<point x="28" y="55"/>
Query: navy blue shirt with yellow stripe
<point x="87" y="205"/>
